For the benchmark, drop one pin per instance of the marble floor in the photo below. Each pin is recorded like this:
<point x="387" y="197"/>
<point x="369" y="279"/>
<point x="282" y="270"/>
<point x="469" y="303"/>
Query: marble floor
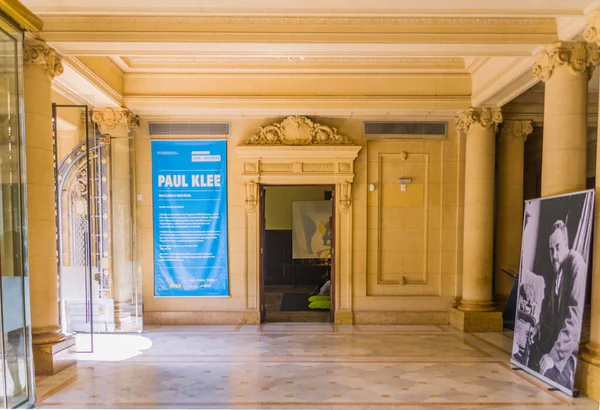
<point x="300" y="365"/>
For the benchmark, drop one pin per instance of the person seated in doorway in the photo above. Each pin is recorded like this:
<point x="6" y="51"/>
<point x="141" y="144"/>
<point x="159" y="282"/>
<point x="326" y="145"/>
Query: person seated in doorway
<point x="324" y="280"/>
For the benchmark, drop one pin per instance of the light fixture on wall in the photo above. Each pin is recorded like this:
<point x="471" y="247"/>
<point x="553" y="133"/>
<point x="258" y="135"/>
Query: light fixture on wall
<point x="403" y="181"/>
<point x="371" y="187"/>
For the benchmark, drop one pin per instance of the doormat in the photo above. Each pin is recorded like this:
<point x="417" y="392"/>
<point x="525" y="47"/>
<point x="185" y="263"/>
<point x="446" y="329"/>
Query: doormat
<point x="294" y="302"/>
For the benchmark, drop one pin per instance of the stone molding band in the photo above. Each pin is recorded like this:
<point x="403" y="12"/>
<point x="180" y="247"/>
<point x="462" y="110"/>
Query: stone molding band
<point x="46" y="335"/>
<point x="109" y="118"/>
<point x="578" y="57"/>
<point x="477" y="306"/>
<point x="485" y="117"/>
<point x="38" y="53"/>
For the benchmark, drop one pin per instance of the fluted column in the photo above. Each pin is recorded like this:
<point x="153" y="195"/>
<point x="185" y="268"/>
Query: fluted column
<point x="589" y="365"/>
<point x="116" y="125"/>
<point x="566" y="68"/>
<point x="509" y="202"/>
<point x="476" y="310"/>
<point x="52" y="349"/>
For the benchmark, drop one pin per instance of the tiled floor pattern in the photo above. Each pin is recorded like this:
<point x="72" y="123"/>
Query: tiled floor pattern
<point x="300" y="366"/>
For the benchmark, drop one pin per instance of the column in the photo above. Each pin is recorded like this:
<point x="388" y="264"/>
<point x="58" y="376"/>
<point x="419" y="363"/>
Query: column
<point x="509" y="201"/>
<point x="476" y="312"/>
<point x="52" y="350"/>
<point x="566" y="68"/>
<point x="116" y="125"/>
<point x="588" y="370"/>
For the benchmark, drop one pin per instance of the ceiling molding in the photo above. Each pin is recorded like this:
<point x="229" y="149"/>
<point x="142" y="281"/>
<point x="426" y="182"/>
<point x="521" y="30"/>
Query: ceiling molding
<point x="496" y="76"/>
<point x="273" y="64"/>
<point x="347" y="106"/>
<point x="98" y="82"/>
<point x="79" y="82"/>
<point x="21" y="15"/>
<point x="70" y="94"/>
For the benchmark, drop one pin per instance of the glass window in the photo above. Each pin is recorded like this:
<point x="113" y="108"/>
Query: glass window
<point x="15" y="369"/>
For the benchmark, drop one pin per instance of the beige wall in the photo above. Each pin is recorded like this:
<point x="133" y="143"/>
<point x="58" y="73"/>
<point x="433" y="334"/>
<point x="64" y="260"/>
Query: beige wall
<point x="278" y="208"/>
<point x="414" y="234"/>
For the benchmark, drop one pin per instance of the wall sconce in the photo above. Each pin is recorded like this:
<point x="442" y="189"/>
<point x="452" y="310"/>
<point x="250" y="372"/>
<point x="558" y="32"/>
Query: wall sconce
<point x="371" y="187"/>
<point x="403" y="181"/>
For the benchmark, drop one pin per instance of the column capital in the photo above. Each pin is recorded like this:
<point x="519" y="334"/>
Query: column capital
<point x="111" y="118"/>
<point x="578" y="57"/>
<point x="592" y="29"/>
<point x="38" y="53"/>
<point x="514" y="130"/>
<point x="485" y="117"/>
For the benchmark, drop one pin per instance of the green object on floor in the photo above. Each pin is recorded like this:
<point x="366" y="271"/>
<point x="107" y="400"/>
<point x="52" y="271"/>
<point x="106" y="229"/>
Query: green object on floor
<point x="317" y="298"/>
<point x="320" y="304"/>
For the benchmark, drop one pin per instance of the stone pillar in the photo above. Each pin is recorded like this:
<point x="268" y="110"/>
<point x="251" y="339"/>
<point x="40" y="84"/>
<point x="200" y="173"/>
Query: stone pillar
<point x="52" y="350"/>
<point x="588" y="370"/>
<point x="116" y="125"/>
<point x="476" y="312"/>
<point x="509" y="202"/>
<point x="566" y="68"/>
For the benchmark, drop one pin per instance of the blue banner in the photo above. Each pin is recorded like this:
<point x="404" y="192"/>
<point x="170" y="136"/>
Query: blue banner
<point x="189" y="197"/>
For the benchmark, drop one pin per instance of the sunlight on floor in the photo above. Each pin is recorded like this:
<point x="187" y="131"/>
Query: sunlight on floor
<point x="111" y="347"/>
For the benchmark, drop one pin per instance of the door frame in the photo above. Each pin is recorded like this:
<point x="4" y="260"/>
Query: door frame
<point x="298" y="165"/>
<point x="262" y="233"/>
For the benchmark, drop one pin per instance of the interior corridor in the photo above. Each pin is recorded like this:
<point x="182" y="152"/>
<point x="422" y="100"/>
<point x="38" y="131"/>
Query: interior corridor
<point x="300" y="366"/>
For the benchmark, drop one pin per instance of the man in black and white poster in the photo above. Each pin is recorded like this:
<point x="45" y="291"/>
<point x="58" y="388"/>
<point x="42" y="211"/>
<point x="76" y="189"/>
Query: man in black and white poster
<point x="551" y="294"/>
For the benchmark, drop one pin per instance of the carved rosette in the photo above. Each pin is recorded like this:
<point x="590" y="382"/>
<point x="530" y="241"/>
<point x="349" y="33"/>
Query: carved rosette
<point x="38" y="53"/>
<point x="297" y="130"/>
<point x="578" y="57"/>
<point x="109" y="118"/>
<point x="515" y="130"/>
<point x="485" y="117"/>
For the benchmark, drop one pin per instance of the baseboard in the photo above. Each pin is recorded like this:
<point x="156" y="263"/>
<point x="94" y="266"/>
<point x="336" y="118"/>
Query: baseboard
<point x="201" y="318"/>
<point x="400" y="318"/>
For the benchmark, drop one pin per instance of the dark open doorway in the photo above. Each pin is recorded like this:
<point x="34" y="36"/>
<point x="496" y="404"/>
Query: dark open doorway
<point x="297" y="244"/>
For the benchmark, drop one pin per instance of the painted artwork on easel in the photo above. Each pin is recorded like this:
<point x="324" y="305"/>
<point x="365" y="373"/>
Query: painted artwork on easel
<point x="311" y="236"/>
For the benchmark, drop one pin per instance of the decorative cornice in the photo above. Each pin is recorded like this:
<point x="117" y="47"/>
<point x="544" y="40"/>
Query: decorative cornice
<point x="299" y="21"/>
<point x="578" y="57"/>
<point x="513" y="130"/>
<point x="297" y="130"/>
<point x="109" y="118"/>
<point x="485" y="117"/>
<point x="21" y="15"/>
<point x="38" y="53"/>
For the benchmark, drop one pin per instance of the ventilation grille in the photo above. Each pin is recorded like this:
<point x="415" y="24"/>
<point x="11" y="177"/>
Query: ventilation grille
<point x="384" y="130"/>
<point x="189" y="128"/>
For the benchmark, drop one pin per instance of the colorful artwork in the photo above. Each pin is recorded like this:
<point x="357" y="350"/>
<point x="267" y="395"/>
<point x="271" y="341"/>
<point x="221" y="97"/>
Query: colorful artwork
<point x="311" y="235"/>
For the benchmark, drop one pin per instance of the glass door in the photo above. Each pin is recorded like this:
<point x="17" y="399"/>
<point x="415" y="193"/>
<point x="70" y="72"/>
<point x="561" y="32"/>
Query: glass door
<point x="16" y="367"/>
<point x="99" y="272"/>
<point x="79" y="187"/>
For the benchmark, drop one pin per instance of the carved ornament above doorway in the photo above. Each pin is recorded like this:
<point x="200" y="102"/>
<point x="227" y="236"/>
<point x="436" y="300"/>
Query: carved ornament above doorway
<point x="297" y="130"/>
<point x="298" y="151"/>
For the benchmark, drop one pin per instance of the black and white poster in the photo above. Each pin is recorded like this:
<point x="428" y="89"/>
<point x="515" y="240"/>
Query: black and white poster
<point x="554" y="264"/>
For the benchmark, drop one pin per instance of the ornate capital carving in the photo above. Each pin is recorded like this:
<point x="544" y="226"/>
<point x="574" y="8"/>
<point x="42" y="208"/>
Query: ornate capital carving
<point x="515" y="130"/>
<point x="485" y="117"/>
<point x="345" y="196"/>
<point x="578" y="57"/>
<point x="109" y="118"/>
<point x="251" y="201"/>
<point x="38" y="53"/>
<point x="297" y="130"/>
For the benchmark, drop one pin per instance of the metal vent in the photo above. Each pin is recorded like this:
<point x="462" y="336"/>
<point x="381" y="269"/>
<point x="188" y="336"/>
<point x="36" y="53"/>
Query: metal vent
<point x="189" y="128"/>
<point x="384" y="130"/>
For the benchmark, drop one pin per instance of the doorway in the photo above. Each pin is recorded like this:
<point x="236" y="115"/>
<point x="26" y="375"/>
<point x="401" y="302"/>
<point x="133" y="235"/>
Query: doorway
<point x="297" y="247"/>
<point x="98" y="274"/>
